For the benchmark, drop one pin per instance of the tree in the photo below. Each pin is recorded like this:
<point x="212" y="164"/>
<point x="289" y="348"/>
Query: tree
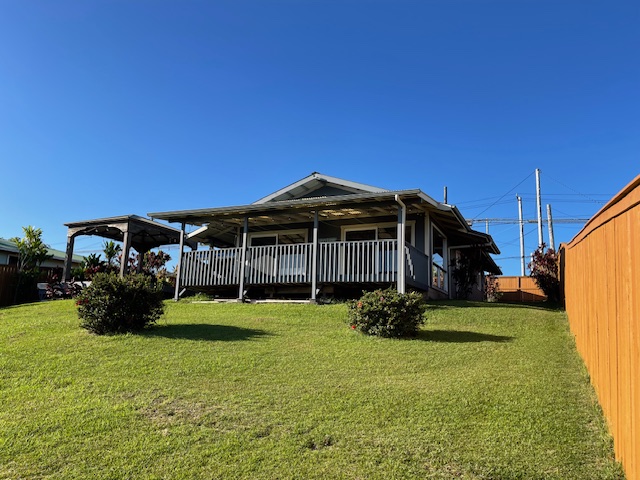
<point x="32" y="252"/>
<point x="92" y="264"/>
<point x="465" y="273"/>
<point x="111" y="252"/>
<point x="544" y="271"/>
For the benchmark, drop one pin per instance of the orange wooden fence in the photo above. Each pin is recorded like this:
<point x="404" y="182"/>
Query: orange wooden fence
<point x="601" y="270"/>
<point x="519" y="289"/>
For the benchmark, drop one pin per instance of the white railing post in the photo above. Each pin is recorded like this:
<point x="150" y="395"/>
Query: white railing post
<point x="402" y="220"/>
<point x="176" y="294"/>
<point x="243" y="258"/>
<point x="314" y="257"/>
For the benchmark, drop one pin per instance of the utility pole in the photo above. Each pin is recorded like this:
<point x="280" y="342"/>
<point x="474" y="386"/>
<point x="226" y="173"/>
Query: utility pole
<point x="486" y="226"/>
<point x="552" y="244"/>
<point x="521" y="235"/>
<point x="539" y="205"/>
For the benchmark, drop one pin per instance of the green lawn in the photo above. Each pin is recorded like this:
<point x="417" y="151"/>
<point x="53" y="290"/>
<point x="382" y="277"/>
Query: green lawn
<point x="289" y="391"/>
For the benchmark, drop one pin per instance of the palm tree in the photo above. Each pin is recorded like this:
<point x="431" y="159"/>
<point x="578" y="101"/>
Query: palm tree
<point x="111" y="251"/>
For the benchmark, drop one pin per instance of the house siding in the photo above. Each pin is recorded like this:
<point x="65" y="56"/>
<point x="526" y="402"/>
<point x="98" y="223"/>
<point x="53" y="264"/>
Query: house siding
<point x="326" y="191"/>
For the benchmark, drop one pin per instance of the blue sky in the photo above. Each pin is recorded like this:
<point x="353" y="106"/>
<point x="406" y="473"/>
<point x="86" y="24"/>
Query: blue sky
<point x="117" y="107"/>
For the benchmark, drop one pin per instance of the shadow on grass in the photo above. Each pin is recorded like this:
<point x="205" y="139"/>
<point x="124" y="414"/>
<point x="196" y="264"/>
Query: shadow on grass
<point x="435" y="304"/>
<point x="203" y="331"/>
<point x="460" y="336"/>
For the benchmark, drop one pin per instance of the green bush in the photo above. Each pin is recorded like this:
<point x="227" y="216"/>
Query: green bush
<point x="117" y="305"/>
<point x="386" y="313"/>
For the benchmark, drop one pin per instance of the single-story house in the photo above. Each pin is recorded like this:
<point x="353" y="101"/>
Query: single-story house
<point x="324" y="235"/>
<point x="9" y="256"/>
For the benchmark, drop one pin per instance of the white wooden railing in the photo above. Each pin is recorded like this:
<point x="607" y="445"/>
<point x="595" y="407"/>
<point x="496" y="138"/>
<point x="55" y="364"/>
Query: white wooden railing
<point x="338" y="262"/>
<point x="279" y="264"/>
<point x="211" y="267"/>
<point x="359" y="262"/>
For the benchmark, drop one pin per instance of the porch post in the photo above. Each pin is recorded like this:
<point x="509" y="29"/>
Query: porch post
<point x="126" y="248"/>
<point x="68" y="259"/>
<point x="176" y="293"/>
<point x="402" y="220"/>
<point x="314" y="258"/>
<point x="243" y="258"/>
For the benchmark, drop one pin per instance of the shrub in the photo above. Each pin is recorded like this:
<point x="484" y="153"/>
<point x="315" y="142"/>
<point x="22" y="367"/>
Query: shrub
<point x="544" y="271"/>
<point x="386" y="313"/>
<point x="492" y="291"/>
<point x="117" y="305"/>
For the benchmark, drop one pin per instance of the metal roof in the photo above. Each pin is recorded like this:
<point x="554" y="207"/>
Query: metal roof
<point x="9" y="246"/>
<point x="224" y="221"/>
<point x="146" y="233"/>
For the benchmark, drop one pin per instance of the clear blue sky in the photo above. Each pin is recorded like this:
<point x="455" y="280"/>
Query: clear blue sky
<point x="117" y="107"/>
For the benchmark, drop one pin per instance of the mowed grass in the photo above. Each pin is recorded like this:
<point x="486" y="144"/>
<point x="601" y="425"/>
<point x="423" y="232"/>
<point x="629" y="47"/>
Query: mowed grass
<point x="289" y="391"/>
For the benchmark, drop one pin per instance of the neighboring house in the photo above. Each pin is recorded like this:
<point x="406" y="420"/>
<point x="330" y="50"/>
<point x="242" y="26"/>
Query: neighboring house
<point x="9" y="256"/>
<point x="327" y="236"/>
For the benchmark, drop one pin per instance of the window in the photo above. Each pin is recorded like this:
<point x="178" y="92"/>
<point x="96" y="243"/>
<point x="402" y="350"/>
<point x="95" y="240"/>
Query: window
<point x="286" y="237"/>
<point x="385" y="231"/>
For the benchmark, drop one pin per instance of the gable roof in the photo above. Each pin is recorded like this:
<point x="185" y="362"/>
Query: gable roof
<point x="314" y="182"/>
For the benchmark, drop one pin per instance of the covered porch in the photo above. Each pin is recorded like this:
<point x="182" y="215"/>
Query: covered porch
<point x="400" y="238"/>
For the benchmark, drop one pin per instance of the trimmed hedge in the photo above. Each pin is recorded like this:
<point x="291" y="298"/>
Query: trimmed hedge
<point x="386" y="313"/>
<point x="118" y="305"/>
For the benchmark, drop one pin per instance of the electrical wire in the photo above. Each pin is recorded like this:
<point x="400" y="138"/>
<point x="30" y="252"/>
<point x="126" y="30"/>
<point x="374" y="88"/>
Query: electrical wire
<point x="507" y="193"/>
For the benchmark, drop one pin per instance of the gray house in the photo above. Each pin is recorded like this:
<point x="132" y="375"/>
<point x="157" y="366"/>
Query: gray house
<point x="324" y="235"/>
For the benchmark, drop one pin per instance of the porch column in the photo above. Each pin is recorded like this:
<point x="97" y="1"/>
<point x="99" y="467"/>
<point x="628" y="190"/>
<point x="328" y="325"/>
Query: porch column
<point x="427" y="247"/>
<point x="243" y="258"/>
<point x="314" y="258"/>
<point x="402" y="220"/>
<point x="68" y="259"/>
<point x="176" y="293"/>
<point x="126" y="248"/>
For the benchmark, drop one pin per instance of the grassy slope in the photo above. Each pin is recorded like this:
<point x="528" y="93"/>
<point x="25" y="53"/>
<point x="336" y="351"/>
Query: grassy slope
<point x="288" y="391"/>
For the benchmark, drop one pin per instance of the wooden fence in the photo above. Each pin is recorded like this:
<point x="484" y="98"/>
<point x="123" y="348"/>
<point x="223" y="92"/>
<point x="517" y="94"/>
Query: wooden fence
<point x="8" y="279"/>
<point x="519" y="289"/>
<point x="601" y="270"/>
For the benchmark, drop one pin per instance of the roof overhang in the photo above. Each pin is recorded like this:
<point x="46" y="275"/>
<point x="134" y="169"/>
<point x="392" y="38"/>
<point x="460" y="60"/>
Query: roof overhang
<point x="146" y="233"/>
<point x="219" y="225"/>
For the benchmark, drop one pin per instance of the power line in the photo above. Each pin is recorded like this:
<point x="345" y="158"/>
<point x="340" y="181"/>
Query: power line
<point x="506" y="221"/>
<point x="524" y="180"/>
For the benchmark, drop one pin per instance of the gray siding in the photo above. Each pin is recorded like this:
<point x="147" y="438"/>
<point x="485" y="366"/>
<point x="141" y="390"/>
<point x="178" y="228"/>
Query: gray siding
<point x="326" y="191"/>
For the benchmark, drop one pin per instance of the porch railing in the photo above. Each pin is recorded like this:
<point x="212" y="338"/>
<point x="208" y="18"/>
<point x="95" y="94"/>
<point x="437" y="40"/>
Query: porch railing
<point x="374" y="261"/>
<point x="203" y="268"/>
<point x="338" y="262"/>
<point x="279" y="264"/>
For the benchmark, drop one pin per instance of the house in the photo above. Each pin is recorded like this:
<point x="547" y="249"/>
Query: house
<point x="9" y="256"/>
<point x="323" y="235"/>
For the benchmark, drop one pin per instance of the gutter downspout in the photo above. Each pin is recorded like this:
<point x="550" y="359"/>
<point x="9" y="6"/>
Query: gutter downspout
<point x="402" y="221"/>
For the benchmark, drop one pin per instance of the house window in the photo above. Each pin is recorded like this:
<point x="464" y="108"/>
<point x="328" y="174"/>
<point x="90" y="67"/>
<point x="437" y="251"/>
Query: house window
<point x="286" y="237"/>
<point x="386" y="231"/>
<point x="263" y="240"/>
<point x="360" y="235"/>
<point x="12" y="260"/>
